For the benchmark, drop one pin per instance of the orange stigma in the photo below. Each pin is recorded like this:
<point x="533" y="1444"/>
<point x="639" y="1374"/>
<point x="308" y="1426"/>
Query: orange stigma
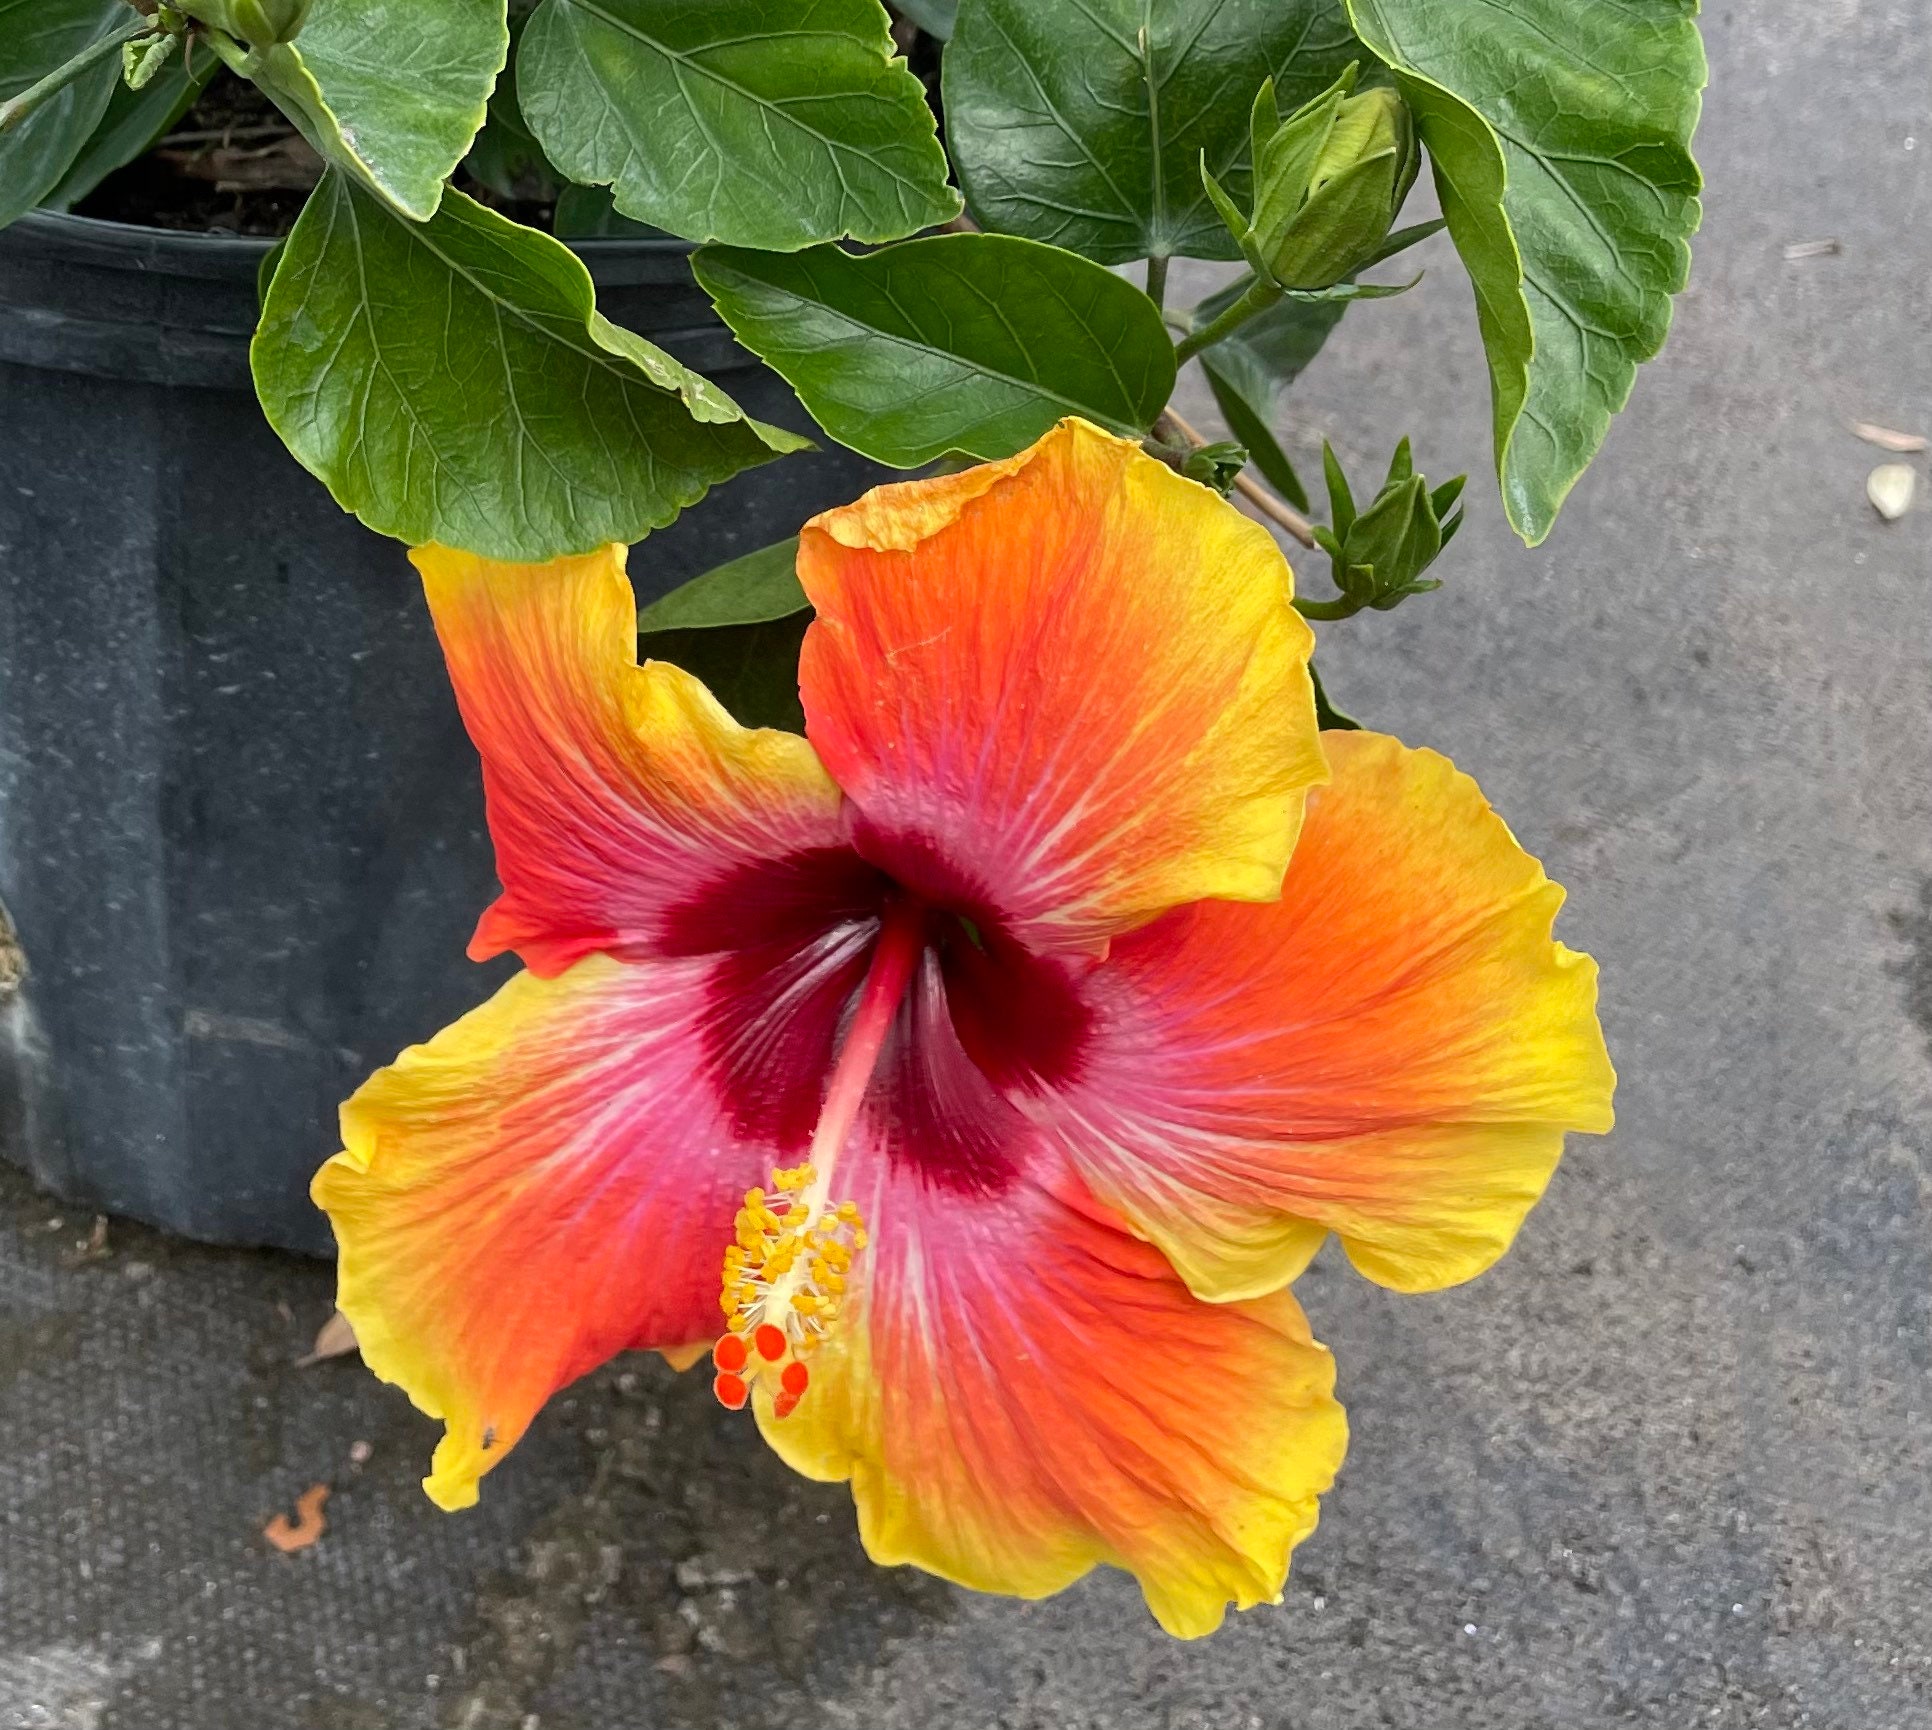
<point x="785" y="1275"/>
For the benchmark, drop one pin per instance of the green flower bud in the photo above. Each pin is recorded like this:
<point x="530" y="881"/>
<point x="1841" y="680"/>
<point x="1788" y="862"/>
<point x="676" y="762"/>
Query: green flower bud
<point x="1378" y="555"/>
<point x="1217" y="465"/>
<point x="1329" y="182"/>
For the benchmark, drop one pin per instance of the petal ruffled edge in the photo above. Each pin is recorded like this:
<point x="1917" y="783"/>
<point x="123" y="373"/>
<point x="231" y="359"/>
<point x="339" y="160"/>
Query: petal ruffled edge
<point x="1020" y="1396"/>
<point x="547" y="1182"/>
<point x="1394" y="1051"/>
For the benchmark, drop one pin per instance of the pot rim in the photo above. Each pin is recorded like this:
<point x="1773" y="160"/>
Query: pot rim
<point x="612" y="261"/>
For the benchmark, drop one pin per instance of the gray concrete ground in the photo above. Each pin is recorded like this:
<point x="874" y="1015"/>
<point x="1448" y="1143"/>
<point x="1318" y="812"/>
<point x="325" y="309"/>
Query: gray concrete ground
<point x="1670" y="1464"/>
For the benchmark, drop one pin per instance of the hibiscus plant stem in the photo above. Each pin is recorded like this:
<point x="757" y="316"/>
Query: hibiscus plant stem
<point x="1259" y="297"/>
<point x="1157" y="279"/>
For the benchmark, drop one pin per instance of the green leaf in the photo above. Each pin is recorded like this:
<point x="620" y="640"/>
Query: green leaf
<point x="1271" y="350"/>
<point x="394" y="93"/>
<point x="935" y="17"/>
<point x="752" y="669"/>
<point x="36" y="37"/>
<point x="586" y="213"/>
<point x="505" y="156"/>
<point x="1249" y="370"/>
<point x="773" y="126"/>
<point x="1084" y="122"/>
<point x="1560" y="135"/>
<point x="1264" y="450"/>
<point x="1328" y="718"/>
<point x="132" y="122"/>
<point x="751" y="590"/>
<point x="453" y="381"/>
<point x="970" y="342"/>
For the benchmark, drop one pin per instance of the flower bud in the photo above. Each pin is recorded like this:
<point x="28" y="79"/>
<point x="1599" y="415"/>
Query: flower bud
<point x="1329" y="182"/>
<point x="1378" y="555"/>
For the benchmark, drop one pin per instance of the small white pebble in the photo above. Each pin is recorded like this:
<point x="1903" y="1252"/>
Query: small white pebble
<point x="1469" y="1627"/>
<point x="1737" y="1609"/>
<point x="1891" y="487"/>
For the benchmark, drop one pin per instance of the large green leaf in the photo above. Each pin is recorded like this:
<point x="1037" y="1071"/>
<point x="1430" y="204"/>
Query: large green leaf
<point x="452" y="381"/>
<point x="960" y="342"/>
<point x="744" y="121"/>
<point x="36" y="37"/>
<point x="1084" y="122"/>
<point x="134" y="120"/>
<point x="1560" y="133"/>
<point x="392" y="90"/>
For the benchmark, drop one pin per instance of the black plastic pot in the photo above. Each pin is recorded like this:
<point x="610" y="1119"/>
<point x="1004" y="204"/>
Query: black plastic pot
<point x="241" y="830"/>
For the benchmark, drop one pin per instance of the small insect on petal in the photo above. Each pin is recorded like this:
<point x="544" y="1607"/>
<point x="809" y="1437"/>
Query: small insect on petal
<point x="731" y="1391"/>
<point x="729" y="1354"/>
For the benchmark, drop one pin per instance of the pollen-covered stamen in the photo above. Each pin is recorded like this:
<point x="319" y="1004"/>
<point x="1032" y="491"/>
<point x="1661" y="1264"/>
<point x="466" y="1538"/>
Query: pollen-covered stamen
<point x="785" y="1279"/>
<point x="786" y="1273"/>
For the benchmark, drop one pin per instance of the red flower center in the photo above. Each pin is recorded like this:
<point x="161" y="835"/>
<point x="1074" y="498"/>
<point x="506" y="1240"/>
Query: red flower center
<point x="979" y="1015"/>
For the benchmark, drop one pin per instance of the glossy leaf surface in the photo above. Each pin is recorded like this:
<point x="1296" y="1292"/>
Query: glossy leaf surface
<point x="961" y="342"/>
<point x="1560" y="135"/>
<point x="452" y="381"/>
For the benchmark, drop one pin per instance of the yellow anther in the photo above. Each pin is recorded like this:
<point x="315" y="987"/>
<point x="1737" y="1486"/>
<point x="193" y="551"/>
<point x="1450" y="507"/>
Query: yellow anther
<point x="785" y="1273"/>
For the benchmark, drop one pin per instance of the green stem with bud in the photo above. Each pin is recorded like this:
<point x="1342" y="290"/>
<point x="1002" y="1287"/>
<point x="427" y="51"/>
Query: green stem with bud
<point x="1260" y="295"/>
<point x="18" y="108"/>
<point x="1342" y="608"/>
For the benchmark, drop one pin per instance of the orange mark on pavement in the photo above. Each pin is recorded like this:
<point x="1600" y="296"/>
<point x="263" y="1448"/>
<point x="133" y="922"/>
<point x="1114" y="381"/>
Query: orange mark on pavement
<point x="308" y="1525"/>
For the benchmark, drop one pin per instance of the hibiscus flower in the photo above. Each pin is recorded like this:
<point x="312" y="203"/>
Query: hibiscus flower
<point x="978" y="1071"/>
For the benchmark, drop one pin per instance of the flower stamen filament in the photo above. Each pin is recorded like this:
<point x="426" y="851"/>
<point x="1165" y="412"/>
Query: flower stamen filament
<point x="785" y="1275"/>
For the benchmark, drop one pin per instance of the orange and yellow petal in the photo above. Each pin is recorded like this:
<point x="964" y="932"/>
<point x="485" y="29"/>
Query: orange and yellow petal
<point x="1020" y="1389"/>
<point x="1069" y="688"/>
<point x="616" y="792"/>
<point x="1392" y="1052"/>
<point x="548" y="1182"/>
